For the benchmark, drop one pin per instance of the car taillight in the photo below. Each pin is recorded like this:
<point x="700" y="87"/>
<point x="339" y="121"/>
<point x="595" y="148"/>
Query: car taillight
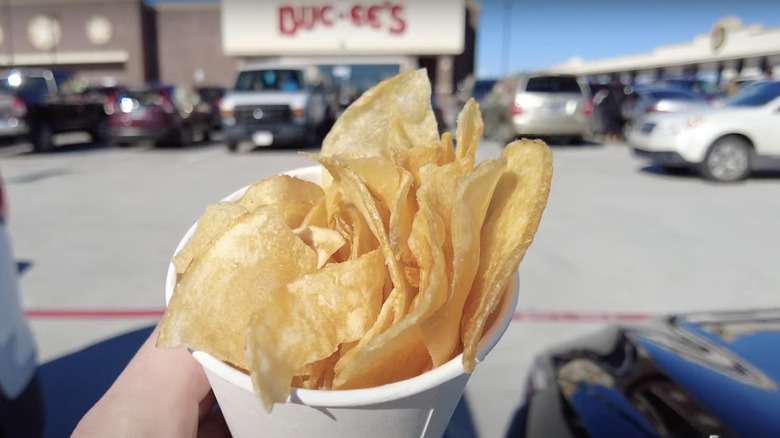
<point x="516" y="109"/>
<point x="18" y="108"/>
<point x="588" y="108"/>
<point x="110" y="106"/>
<point x="166" y="105"/>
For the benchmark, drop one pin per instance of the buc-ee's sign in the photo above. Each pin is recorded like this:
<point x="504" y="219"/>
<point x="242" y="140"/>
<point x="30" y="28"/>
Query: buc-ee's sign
<point x="384" y="17"/>
<point x="403" y="27"/>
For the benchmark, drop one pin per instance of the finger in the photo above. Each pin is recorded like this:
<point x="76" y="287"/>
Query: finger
<point x="159" y="393"/>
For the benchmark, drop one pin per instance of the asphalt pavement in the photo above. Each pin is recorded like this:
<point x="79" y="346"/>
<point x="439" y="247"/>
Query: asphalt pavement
<point x="94" y="228"/>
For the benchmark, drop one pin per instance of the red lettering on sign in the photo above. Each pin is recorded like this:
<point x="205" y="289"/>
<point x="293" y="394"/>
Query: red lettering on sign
<point x="399" y="24"/>
<point x="387" y="16"/>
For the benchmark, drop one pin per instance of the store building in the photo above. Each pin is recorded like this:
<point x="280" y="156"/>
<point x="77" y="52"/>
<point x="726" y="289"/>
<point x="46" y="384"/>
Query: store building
<point x="731" y="50"/>
<point x="126" y="42"/>
<point x="106" y="40"/>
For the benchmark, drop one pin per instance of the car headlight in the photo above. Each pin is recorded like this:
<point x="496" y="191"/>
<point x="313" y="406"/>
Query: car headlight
<point x="679" y="126"/>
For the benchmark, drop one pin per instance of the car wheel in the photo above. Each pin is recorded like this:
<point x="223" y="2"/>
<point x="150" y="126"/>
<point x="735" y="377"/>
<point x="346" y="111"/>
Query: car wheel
<point x="232" y="146"/>
<point x="728" y="160"/>
<point x="43" y="138"/>
<point x="207" y="135"/>
<point x="100" y="133"/>
<point x="184" y="136"/>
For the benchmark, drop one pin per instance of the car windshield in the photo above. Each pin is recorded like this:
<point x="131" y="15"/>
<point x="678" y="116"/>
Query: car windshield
<point x="553" y="84"/>
<point x="270" y="80"/>
<point x="755" y="95"/>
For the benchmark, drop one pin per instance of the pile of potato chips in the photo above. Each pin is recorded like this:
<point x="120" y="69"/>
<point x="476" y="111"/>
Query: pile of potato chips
<point x="392" y="266"/>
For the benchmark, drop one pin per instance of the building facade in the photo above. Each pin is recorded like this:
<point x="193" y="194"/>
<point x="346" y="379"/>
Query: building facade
<point x="731" y="50"/>
<point x="102" y="39"/>
<point x="127" y="42"/>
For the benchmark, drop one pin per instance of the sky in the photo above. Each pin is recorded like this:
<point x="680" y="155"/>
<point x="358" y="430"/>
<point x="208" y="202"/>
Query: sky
<point x="543" y="33"/>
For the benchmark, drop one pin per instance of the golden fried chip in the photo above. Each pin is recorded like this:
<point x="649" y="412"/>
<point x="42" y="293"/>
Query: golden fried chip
<point x="324" y="241"/>
<point x="213" y="222"/>
<point x="356" y="192"/>
<point x="447" y="149"/>
<point x="318" y="215"/>
<point x="293" y="212"/>
<point x="280" y="188"/>
<point x="317" y="374"/>
<point x="508" y="230"/>
<point x="469" y="132"/>
<point x="380" y="176"/>
<point x="414" y="159"/>
<point x="217" y="295"/>
<point x="363" y="130"/>
<point x="441" y="331"/>
<point x="308" y="320"/>
<point x="399" y="352"/>
<point x="400" y="227"/>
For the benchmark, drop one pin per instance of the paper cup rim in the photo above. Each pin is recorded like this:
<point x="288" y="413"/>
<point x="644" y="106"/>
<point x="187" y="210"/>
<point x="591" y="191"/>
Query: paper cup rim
<point x="352" y="397"/>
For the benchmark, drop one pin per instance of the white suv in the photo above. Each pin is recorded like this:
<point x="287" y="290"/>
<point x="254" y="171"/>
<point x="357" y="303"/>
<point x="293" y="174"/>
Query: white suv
<point x="724" y="143"/>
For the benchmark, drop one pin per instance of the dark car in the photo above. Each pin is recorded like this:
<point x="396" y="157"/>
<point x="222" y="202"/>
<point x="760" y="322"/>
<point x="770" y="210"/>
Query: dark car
<point x="49" y="102"/>
<point x="689" y="376"/>
<point x="162" y="114"/>
<point x="213" y="97"/>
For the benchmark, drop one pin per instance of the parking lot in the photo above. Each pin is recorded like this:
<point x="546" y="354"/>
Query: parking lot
<point x="94" y="227"/>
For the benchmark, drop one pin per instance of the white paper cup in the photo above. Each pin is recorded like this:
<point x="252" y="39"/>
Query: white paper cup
<point x="416" y="407"/>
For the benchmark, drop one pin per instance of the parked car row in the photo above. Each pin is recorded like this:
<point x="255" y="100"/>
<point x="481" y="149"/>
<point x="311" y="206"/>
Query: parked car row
<point x="725" y="143"/>
<point x="37" y="104"/>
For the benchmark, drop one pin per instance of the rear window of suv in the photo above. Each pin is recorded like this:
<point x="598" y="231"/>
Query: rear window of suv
<point x="553" y="84"/>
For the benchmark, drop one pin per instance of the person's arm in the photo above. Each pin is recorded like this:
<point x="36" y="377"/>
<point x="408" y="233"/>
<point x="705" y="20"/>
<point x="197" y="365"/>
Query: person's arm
<point x="160" y="393"/>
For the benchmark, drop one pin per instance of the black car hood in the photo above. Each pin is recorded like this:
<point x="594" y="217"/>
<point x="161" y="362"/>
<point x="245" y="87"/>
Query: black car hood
<point x="687" y="376"/>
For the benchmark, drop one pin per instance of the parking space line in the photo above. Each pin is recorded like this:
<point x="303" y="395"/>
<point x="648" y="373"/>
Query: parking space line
<point x="520" y="316"/>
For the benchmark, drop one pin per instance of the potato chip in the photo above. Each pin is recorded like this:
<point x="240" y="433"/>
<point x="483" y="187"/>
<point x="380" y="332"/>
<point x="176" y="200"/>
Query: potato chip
<point x="363" y="130"/>
<point x="308" y="319"/>
<point x="317" y="215"/>
<point x="447" y="149"/>
<point x="317" y="374"/>
<point x="399" y="352"/>
<point x="217" y="295"/>
<point x="380" y="176"/>
<point x="469" y="132"/>
<point x="441" y="332"/>
<point x="324" y="241"/>
<point x="213" y="222"/>
<point x="280" y="188"/>
<point x="293" y="212"/>
<point x="354" y="190"/>
<point x="510" y="224"/>
<point x="400" y="227"/>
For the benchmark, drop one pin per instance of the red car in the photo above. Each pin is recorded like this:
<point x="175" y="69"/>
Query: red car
<point x="164" y="114"/>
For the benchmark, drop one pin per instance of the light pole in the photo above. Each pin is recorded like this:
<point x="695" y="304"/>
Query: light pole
<point x="506" y="43"/>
